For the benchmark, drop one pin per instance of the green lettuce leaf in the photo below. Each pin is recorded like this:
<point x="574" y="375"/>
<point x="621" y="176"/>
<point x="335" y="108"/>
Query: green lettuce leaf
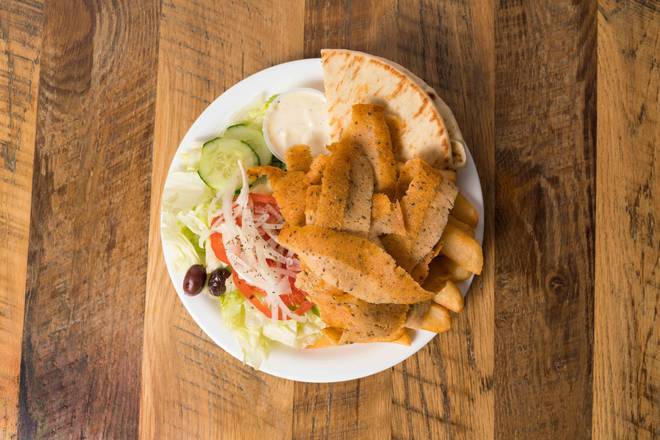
<point x="256" y="333"/>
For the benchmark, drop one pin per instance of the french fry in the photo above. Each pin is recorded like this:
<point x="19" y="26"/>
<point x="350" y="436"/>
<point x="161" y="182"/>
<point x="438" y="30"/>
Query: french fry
<point x="450" y="297"/>
<point x="459" y="224"/>
<point x="464" y="211"/>
<point x="323" y="341"/>
<point x="443" y="269"/>
<point x="404" y="339"/>
<point x="334" y="334"/>
<point x="436" y="319"/>
<point x="461" y="248"/>
<point x="454" y="271"/>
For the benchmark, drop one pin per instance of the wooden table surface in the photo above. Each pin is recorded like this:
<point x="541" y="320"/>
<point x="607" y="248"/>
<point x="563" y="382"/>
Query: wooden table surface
<point x="558" y="102"/>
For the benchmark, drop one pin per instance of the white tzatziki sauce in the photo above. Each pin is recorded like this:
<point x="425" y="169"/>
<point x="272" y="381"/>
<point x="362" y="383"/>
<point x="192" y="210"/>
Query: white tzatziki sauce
<point x="297" y="117"/>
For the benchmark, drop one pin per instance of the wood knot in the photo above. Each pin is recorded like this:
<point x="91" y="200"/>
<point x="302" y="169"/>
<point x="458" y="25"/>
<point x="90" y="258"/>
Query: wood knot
<point x="559" y="286"/>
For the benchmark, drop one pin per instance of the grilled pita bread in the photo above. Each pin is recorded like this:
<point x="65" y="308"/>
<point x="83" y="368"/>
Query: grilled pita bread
<point x="423" y="124"/>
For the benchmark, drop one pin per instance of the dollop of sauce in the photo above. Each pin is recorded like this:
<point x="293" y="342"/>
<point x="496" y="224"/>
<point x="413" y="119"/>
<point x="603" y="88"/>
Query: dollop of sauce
<point x="297" y="117"/>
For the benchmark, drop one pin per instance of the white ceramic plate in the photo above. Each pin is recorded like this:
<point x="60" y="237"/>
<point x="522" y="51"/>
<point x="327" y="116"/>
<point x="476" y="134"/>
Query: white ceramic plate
<point x="332" y="364"/>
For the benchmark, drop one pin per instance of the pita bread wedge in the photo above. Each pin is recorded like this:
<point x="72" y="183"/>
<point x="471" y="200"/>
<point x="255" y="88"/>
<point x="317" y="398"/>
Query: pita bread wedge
<point x="425" y="126"/>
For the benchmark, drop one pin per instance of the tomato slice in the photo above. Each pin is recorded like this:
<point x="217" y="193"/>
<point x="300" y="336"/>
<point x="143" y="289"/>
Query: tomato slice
<point x="218" y="247"/>
<point x="297" y="299"/>
<point x="263" y="198"/>
<point x="250" y="293"/>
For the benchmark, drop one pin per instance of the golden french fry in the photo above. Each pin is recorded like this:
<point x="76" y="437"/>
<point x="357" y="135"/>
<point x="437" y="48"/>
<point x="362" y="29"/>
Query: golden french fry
<point x="454" y="271"/>
<point x="450" y="297"/>
<point x="464" y="211"/>
<point x="323" y="341"/>
<point x="441" y="270"/>
<point x="459" y="224"/>
<point x="405" y="339"/>
<point x="437" y="319"/>
<point x="461" y="248"/>
<point x="334" y="334"/>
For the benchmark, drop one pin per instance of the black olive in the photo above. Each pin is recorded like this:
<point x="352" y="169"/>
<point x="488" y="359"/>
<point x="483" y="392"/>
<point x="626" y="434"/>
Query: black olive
<point x="194" y="281"/>
<point x="217" y="280"/>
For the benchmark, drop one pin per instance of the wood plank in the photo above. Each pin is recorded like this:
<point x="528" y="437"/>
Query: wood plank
<point x="192" y="388"/>
<point x="20" y="45"/>
<point x="544" y="227"/>
<point x="359" y="408"/>
<point x="626" y="338"/>
<point x="446" y="390"/>
<point x="82" y="340"/>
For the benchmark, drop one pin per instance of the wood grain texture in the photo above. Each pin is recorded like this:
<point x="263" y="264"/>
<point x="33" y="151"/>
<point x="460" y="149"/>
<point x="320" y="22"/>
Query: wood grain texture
<point x="192" y="388"/>
<point x="626" y="365"/>
<point x="80" y="370"/>
<point x="446" y="390"/>
<point x="544" y="218"/>
<point x="20" y="44"/>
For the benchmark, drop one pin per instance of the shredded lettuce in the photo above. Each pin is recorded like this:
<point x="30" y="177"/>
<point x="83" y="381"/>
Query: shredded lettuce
<point x="190" y="158"/>
<point x="185" y="190"/>
<point x="197" y="221"/>
<point x="178" y="244"/>
<point x="255" y="114"/>
<point x="256" y="332"/>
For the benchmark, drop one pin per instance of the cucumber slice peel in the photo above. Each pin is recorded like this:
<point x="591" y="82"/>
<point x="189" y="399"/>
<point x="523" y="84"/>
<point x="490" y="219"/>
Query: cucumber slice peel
<point x="218" y="166"/>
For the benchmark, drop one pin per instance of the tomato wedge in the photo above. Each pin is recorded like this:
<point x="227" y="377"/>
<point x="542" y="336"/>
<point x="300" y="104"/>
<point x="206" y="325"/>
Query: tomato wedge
<point x="219" y="247"/>
<point x="250" y="293"/>
<point x="296" y="300"/>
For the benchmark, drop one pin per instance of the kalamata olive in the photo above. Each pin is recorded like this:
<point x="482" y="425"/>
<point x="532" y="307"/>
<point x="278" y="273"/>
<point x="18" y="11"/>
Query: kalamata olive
<point x="217" y="280"/>
<point x="193" y="282"/>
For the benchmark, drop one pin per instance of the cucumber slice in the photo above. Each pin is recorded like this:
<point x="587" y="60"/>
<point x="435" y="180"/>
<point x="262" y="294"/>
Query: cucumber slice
<point x="218" y="166"/>
<point x="253" y="137"/>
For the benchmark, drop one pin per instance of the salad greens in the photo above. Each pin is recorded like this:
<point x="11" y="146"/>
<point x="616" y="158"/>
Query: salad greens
<point x="256" y="333"/>
<point x="188" y="207"/>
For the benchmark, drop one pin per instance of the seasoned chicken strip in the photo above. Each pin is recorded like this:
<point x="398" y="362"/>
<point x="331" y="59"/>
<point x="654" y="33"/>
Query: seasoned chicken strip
<point x="361" y="321"/>
<point x="311" y="203"/>
<point x="369" y="129"/>
<point x="316" y="168"/>
<point x="353" y="264"/>
<point x="358" y="208"/>
<point x="386" y="216"/>
<point x="289" y="190"/>
<point x="346" y="190"/>
<point x="335" y="187"/>
<point x="425" y="205"/>
<point x="298" y="158"/>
